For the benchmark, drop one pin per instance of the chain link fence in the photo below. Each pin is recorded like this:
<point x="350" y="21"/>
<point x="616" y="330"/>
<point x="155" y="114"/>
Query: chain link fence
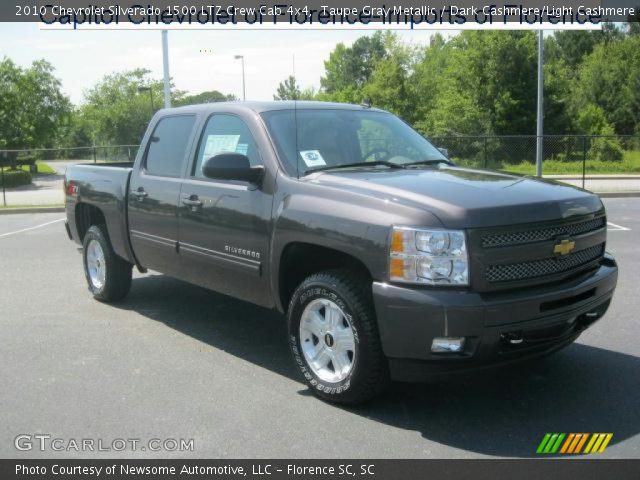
<point x="562" y="154"/>
<point x="602" y="163"/>
<point x="96" y="154"/>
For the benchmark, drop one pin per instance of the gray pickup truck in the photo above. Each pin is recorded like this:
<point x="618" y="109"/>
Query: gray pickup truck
<point x="389" y="261"/>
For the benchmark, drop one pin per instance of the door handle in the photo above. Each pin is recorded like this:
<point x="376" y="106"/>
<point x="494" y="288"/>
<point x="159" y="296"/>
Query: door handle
<point x="140" y="193"/>
<point x="191" y="201"/>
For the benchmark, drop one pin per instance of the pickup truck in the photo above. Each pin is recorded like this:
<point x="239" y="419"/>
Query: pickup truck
<point x="389" y="261"/>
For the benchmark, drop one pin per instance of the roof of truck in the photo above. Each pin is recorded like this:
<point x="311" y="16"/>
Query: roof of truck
<point x="266" y="106"/>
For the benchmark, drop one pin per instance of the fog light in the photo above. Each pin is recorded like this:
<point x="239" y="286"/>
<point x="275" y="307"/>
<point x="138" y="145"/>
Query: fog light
<point x="447" y="344"/>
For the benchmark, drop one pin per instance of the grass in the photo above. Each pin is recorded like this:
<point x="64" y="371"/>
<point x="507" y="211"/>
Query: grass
<point x="10" y="207"/>
<point x="629" y="164"/>
<point x="43" y="168"/>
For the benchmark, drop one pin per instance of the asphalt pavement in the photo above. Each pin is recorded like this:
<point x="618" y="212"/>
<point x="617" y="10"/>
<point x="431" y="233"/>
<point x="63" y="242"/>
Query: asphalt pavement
<point x="174" y="361"/>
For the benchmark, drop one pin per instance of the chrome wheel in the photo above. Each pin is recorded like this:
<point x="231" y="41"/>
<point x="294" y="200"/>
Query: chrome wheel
<point x="96" y="264"/>
<point x="327" y="340"/>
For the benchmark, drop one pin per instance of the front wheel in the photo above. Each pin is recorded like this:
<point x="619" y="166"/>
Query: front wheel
<point x="108" y="275"/>
<point x="334" y="338"/>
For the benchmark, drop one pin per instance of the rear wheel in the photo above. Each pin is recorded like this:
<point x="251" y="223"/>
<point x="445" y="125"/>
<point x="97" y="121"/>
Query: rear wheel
<point x="108" y="276"/>
<point x="334" y="338"/>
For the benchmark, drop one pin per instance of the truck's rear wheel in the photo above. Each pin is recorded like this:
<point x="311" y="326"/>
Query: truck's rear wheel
<point x="334" y="338"/>
<point x="108" y="275"/>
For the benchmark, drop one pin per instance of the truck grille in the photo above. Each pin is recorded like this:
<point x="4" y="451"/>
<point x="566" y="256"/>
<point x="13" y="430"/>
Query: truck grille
<point x="523" y="255"/>
<point x="542" y="234"/>
<point x="540" y="268"/>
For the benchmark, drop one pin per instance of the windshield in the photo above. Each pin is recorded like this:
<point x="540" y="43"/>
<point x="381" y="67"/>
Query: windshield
<point x="335" y="138"/>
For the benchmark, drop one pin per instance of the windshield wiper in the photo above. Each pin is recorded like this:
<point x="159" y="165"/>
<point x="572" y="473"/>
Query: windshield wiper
<point x="428" y="162"/>
<point x="376" y="163"/>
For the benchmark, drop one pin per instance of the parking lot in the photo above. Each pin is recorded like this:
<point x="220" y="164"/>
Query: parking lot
<point x="176" y="361"/>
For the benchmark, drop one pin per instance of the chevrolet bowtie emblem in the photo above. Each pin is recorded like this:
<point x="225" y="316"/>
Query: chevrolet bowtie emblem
<point x="565" y="247"/>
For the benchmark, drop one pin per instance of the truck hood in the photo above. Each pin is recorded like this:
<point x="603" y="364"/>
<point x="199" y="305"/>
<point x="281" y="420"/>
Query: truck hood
<point x="467" y="198"/>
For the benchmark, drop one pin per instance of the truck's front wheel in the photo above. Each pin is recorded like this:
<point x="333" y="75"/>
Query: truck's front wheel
<point x="334" y="338"/>
<point x="108" y="276"/>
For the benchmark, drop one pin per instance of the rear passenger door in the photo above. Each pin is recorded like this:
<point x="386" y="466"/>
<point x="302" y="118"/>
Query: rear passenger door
<point x="154" y="193"/>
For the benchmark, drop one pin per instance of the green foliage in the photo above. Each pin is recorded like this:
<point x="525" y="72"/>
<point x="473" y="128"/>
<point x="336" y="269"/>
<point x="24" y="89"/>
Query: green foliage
<point x="388" y="89"/>
<point x="211" y="96"/>
<point x="117" y="110"/>
<point x="630" y="164"/>
<point x="484" y="82"/>
<point x="32" y="106"/>
<point x="16" y="178"/>
<point x="289" y="89"/>
<point x="352" y="67"/>
<point x="609" y="78"/>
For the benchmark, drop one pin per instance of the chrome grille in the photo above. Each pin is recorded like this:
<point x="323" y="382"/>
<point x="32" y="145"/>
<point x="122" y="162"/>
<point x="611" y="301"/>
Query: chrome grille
<point x="541" y="234"/>
<point x="540" y="268"/>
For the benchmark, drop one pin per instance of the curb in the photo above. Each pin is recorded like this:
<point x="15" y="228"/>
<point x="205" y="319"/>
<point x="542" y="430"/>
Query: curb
<point x="593" y="177"/>
<point x="617" y="194"/>
<point x="9" y="211"/>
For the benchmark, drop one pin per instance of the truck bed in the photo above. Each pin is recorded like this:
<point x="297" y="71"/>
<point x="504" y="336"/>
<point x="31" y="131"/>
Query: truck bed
<point x="104" y="186"/>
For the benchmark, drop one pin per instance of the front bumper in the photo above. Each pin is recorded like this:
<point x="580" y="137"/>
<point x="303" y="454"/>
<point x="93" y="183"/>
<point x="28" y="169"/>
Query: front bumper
<point x="541" y="320"/>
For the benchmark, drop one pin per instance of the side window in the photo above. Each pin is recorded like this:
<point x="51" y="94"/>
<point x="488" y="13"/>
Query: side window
<point x="168" y="144"/>
<point x="225" y="133"/>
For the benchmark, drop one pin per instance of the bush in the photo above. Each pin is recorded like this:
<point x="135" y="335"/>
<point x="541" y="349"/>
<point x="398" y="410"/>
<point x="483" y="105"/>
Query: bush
<point x="16" y="178"/>
<point x="606" y="149"/>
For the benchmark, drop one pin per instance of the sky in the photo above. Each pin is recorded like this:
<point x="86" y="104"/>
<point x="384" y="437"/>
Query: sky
<point x="199" y="60"/>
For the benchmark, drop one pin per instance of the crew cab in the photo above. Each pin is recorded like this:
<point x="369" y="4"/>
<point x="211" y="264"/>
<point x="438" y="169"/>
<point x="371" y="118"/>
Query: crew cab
<point x="389" y="261"/>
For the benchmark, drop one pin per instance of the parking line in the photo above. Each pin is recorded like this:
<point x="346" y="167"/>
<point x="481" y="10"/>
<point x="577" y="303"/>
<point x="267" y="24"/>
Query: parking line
<point x="617" y="228"/>
<point x="31" y="228"/>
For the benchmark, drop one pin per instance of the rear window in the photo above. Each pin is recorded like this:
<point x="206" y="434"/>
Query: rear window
<point x="168" y="145"/>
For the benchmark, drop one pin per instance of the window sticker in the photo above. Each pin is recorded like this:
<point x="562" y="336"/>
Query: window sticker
<point x="312" y="158"/>
<point x="219" y="143"/>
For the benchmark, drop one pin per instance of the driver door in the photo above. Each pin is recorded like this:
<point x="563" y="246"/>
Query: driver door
<point x="223" y="224"/>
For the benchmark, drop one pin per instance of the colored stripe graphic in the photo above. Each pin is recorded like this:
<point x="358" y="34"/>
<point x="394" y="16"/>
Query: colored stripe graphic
<point x="543" y="443"/>
<point x="584" y="439"/>
<point x="567" y="443"/>
<point x="551" y="443"/>
<point x="598" y="442"/>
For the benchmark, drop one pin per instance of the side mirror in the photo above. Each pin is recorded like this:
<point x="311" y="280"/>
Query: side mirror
<point x="444" y="151"/>
<point x="231" y="166"/>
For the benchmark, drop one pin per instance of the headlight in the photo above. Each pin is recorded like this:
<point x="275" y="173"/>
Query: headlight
<point x="432" y="257"/>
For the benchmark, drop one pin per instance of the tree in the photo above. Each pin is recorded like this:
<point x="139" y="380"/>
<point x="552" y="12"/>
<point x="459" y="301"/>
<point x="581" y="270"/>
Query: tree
<point x="211" y="96"/>
<point x="485" y="84"/>
<point x="289" y="89"/>
<point x="387" y="88"/>
<point x="117" y="110"/>
<point x="425" y="81"/>
<point x="350" y="67"/>
<point x="609" y="78"/>
<point x="32" y="105"/>
<point x="572" y="46"/>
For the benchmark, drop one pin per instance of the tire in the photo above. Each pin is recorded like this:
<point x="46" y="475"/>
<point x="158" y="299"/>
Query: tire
<point x="320" y="334"/>
<point x="108" y="276"/>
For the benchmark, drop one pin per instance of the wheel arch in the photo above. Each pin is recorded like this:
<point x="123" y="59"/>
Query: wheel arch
<point x="299" y="259"/>
<point x="87" y="215"/>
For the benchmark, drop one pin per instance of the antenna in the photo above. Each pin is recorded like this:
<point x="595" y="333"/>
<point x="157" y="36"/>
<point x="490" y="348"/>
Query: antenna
<point x="295" y="114"/>
<point x="295" y="119"/>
